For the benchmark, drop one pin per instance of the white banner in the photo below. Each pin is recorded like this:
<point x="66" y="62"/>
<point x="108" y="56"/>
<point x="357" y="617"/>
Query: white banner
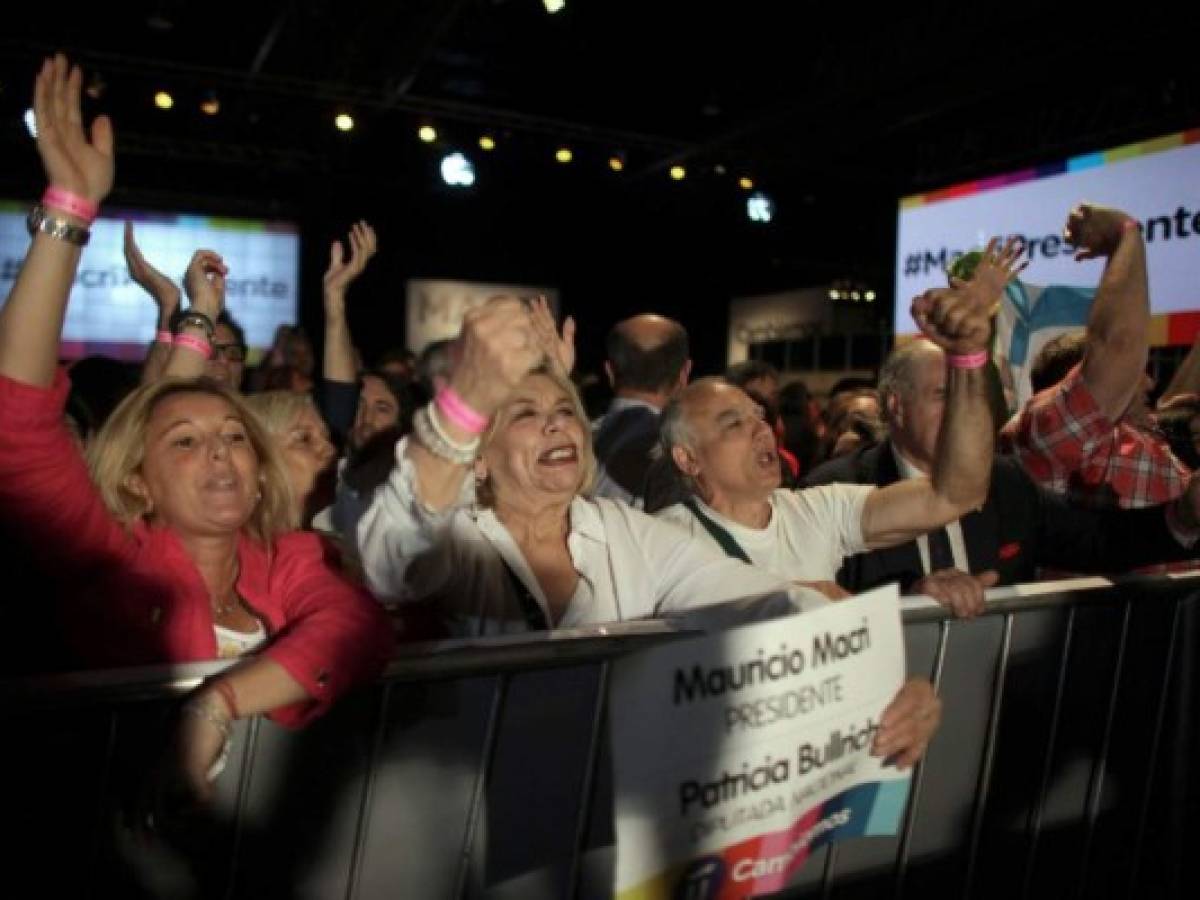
<point x="739" y="753"/>
<point x="1161" y="189"/>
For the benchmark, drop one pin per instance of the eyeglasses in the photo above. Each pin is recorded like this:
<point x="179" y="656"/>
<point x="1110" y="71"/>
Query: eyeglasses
<point x="232" y="352"/>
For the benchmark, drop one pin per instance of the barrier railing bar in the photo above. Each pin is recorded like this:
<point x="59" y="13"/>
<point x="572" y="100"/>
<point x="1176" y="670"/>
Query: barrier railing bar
<point x="918" y="777"/>
<point x="1035" y="814"/>
<point x="487" y="754"/>
<point x="249" y="755"/>
<point x="827" y="873"/>
<point x="1155" y="742"/>
<point x="110" y="749"/>
<point x="587" y="791"/>
<point x="368" y="795"/>
<point x="989" y="753"/>
<point x="1096" y="786"/>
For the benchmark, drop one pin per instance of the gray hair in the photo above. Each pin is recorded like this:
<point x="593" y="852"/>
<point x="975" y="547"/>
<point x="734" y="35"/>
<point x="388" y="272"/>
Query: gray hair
<point x="674" y="430"/>
<point x="897" y="377"/>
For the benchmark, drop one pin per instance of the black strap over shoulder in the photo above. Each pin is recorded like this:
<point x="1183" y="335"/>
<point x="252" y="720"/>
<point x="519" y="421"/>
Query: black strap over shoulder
<point x="720" y="535"/>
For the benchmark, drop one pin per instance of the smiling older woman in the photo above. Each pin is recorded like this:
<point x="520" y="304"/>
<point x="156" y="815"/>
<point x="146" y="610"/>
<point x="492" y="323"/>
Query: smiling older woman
<point x="177" y="547"/>
<point x="532" y="549"/>
<point x="521" y="545"/>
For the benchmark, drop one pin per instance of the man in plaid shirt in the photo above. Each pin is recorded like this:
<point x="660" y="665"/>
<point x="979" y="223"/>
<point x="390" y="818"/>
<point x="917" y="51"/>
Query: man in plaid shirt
<point x="1087" y="433"/>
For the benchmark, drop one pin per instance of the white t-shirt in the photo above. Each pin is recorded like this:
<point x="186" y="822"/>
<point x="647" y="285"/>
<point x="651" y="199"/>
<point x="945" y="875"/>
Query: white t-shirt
<point x="809" y="535"/>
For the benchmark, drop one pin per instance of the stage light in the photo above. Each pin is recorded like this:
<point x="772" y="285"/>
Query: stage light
<point x="834" y="294"/>
<point x="343" y="122"/>
<point x="564" y="155"/>
<point x="678" y="173"/>
<point x="553" y="6"/>
<point x="163" y="100"/>
<point x="487" y="142"/>
<point x="31" y="123"/>
<point x="855" y="295"/>
<point x="457" y="170"/>
<point x="427" y="133"/>
<point x="210" y="105"/>
<point x="869" y="295"/>
<point x="746" y="184"/>
<point x="616" y="163"/>
<point x="718" y="169"/>
<point x="759" y="207"/>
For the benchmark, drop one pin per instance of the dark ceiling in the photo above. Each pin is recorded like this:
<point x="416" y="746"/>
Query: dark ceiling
<point x="835" y="110"/>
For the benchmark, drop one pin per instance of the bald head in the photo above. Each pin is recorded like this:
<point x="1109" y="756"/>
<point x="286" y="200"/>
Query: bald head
<point x="647" y="354"/>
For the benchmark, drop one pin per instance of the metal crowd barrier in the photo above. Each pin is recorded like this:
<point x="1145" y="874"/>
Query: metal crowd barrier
<point x="1062" y="769"/>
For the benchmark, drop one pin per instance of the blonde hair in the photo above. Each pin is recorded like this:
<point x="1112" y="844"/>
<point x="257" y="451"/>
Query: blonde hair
<point x="277" y="410"/>
<point x="119" y="449"/>
<point x="483" y="492"/>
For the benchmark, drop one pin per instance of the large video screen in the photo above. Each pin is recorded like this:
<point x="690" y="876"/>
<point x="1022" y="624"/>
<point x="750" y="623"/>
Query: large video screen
<point x="1156" y="181"/>
<point x="110" y="315"/>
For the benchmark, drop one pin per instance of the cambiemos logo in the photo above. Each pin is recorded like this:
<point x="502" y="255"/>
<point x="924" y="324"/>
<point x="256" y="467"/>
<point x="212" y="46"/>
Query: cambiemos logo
<point x="701" y="880"/>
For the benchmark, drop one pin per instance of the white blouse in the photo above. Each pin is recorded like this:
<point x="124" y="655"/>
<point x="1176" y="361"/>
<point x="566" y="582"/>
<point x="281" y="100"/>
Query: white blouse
<point x="631" y="565"/>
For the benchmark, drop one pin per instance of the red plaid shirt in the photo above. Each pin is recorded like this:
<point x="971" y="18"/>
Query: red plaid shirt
<point x="1066" y="443"/>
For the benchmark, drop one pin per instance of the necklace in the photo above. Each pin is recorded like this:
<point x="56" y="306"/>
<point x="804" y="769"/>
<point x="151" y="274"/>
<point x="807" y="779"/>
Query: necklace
<point x="220" y="608"/>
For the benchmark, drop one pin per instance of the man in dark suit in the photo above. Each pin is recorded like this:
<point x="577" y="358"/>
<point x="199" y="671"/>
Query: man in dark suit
<point x="647" y="365"/>
<point x="1019" y="529"/>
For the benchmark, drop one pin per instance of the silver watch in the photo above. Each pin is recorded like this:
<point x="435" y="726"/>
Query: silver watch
<point x="56" y="227"/>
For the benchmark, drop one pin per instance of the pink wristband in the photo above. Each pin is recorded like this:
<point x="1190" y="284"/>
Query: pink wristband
<point x="1129" y="224"/>
<point x="71" y="204"/>
<point x="164" y="337"/>
<point x="457" y="412"/>
<point x="189" y="342"/>
<point x="967" y="360"/>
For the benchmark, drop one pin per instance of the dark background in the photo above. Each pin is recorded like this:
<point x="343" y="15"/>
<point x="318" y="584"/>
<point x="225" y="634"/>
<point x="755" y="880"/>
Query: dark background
<point x="835" y="112"/>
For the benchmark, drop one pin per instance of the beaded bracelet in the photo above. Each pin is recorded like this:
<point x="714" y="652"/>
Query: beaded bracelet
<point x="460" y="454"/>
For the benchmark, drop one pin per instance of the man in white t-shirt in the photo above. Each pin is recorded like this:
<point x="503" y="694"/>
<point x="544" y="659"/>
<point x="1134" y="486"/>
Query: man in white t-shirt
<point x="717" y="438"/>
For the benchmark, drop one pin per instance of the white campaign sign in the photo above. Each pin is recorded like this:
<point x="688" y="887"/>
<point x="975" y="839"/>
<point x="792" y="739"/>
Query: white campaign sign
<point x="738" y="753"/>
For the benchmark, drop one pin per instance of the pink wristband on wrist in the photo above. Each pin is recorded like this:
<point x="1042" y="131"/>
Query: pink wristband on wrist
<point x="457" y="412"/>
<point x="71" y="204"/>
<point x="190" y="342"/>
<point x="164" y="337"/>
<point x="1129" y="224"/>
<point x="967" y="360"/>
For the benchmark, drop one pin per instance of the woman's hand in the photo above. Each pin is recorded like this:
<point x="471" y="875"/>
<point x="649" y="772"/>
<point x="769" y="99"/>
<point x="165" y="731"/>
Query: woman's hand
<point x="908" y="723"/>
<point x="497" y="347"/>
<point x="558" y="349"/>
<point x="341" y="272"/>
<point x="205" y="283"/>
<point x="164" y="291"/>
<point x="72" y="161"/>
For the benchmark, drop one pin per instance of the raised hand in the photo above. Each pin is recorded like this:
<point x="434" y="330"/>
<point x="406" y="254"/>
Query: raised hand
<point x="958" y="318"/>
<point x="342" y="272"/>
<point x="559" y="349"/>
<point x="960" y="592"/>
<point x="908" y="723"/>
<point x="165" y="292"/>
<point x="498" y="346"/>
<point x="204" y="281"/>
<point x="72" y="160"/>
<point x="1095" y="230"/>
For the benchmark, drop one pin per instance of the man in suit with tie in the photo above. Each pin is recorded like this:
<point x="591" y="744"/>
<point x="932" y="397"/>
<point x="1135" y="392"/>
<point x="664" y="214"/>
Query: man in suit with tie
<point x="1020" y="528"/>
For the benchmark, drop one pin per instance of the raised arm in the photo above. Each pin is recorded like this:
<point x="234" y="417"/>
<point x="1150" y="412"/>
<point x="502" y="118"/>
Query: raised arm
<point x="32" y="319"/>
<point x="339" y="349"/>
<point x="166" y="296"/>
<point x="957" y="320"/>
<point x="204" y="281"/>
<point x="1114" y="358"/>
